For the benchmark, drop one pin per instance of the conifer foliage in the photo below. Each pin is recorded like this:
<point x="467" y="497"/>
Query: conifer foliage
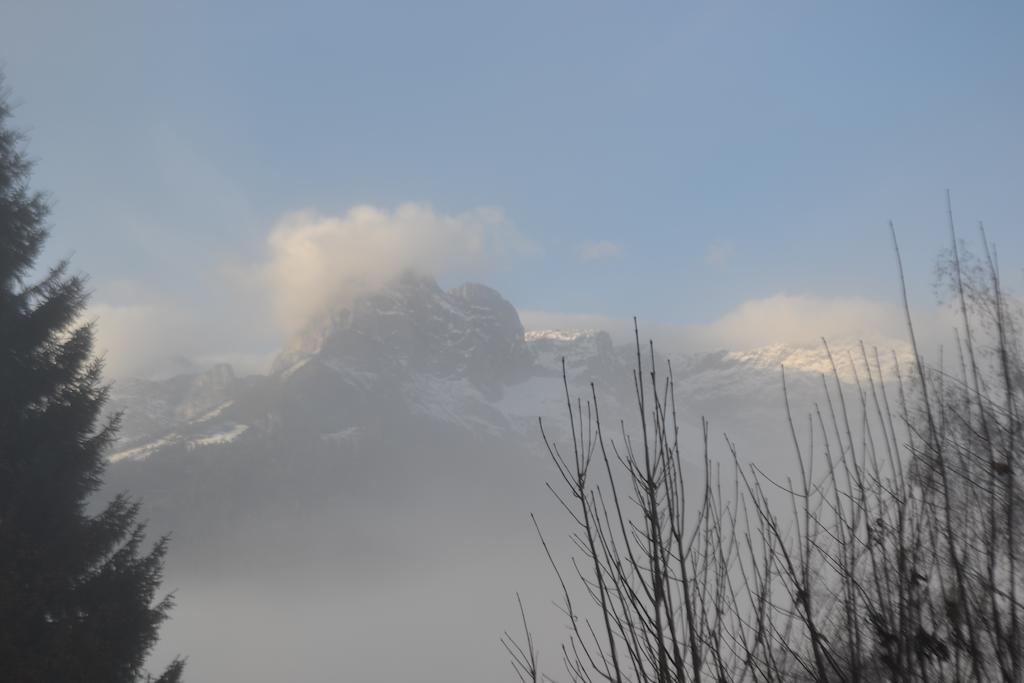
<point x="78" y="593"/>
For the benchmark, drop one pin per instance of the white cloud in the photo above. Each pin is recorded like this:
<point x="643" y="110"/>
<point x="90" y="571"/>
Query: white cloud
<point x="779" y="319"/>
<point x="154" y="335"/>
<point x="799" y="320"/>
<point x="596" y="251"/>
<point x="314" y="261"/>
<point x="246" y="310"/>
<point x="133" y="337"/>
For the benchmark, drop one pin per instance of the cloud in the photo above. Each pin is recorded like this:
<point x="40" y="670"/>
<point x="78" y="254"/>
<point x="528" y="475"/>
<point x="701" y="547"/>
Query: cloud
<point x="244" y="310"/>
<point x="597" y="251"/>
<point x="133" y="337"/>
<point x="779" y="319"/>
<point x="799" y="320"/>
<point x="315" y="261"/>
<point x="154" y="336"/>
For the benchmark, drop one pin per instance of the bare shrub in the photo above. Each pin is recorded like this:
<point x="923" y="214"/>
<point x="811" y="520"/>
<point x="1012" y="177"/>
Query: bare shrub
<point x="895" y="556"/>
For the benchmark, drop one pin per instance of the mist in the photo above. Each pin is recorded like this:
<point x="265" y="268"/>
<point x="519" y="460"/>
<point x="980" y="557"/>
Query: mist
<point x="371" y="519"/>
<point x="361" y="329"/>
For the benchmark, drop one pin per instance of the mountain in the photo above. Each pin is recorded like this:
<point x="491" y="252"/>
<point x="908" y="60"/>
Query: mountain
<point x="393" y="448"/>
<point x="458" y="360"/>
<point x="411" y="376"/>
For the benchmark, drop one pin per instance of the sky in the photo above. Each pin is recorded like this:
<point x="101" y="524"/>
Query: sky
<point x="220" y="169"/>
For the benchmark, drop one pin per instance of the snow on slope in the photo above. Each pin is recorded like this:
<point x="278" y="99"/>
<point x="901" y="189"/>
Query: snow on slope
<point x="459" y="358"/>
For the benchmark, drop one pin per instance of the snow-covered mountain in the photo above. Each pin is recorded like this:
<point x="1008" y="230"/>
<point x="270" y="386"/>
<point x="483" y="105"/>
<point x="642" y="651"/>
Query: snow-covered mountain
<point x="393" y="454"/>
<point x="411" y="382"/>
<point x="461" y="360"/>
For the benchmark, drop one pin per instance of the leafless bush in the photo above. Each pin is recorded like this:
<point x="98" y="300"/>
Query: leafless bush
<point x="895" y="557"/>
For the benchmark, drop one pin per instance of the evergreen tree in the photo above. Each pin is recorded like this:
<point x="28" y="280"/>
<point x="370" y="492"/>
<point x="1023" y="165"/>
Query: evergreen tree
<point x="77" y="591"/>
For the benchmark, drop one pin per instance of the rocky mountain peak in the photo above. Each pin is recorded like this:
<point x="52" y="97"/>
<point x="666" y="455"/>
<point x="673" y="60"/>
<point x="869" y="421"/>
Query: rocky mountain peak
<point x="458" y="360"/>
<point x="411" y="324"/>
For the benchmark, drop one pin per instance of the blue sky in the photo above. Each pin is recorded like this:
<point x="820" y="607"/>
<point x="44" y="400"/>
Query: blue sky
<point x="729" y="151"/>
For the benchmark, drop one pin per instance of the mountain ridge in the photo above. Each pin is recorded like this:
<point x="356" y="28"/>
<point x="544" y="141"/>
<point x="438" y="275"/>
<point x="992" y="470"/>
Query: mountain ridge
<point x="460" y="356"/>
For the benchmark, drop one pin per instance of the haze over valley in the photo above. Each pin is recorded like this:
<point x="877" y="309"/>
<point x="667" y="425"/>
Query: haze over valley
<point x="462" y="342"/>
<point x="389" y="463"/>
